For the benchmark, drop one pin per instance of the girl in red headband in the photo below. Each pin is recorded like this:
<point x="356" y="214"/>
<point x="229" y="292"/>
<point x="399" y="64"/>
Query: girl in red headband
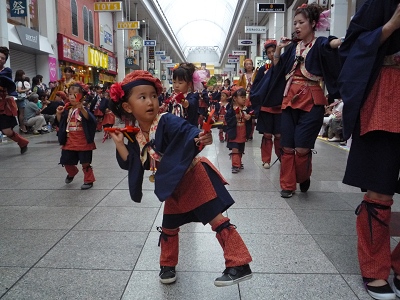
<point x="192" y="188"/>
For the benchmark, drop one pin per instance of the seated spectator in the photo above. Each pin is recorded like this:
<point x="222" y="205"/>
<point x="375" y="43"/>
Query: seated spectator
<point x="33" y="116"/>
<point x="332" y="111"/>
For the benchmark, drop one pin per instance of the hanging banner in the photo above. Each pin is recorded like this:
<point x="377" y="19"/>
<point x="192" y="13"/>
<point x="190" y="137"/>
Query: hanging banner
<point x="18" y="8"/>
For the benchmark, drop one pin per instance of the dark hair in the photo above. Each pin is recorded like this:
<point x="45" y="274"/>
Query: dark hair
<point x="69" y="69"/>
<point x="5" y="51"/>
<point x="228" y="80"/>
<point x="184" y="72"/>
<point x="239" y="92"/>
<point x="19" y="75"/>
<point x="82" y="89"/>
<point x="35" y="81"/>
<point x="311" y="12"/>
<point x="40" y="77"/>
<point x="27" y="79"/>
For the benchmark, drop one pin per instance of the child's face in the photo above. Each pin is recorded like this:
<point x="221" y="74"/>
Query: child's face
<point x="72" y="93"/>
<point x="240" y="100"/>
<point x="180" y="86"/>
<point x="248" y="66"/>
<point x="142" y="103"/>
<point x="224" y="97"/>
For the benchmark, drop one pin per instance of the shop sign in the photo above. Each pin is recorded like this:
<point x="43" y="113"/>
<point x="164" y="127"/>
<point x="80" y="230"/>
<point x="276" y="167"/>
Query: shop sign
<point x="70" y="50"/>
<point x="97" y="58"/>
<point x="271" y="7"/>
<point x="53" y="68"/>
<point x="239" y="52"/>
<point x="108" y="6"/>
<point x="166" y="61"/>
<point x="233" y="60"/>
<point x="128" y="25"/>
<point x="129" y="61"/>
<point x="112" y="64"/>
<point x="255" y="29"/>
<point x="28" y="37"/>
<point x="246" y="43"/>
<point x="159" y="52"/>
<point x="18" y="8"/>
<point x="233" y="56"/>
<point x="149" y="43"/>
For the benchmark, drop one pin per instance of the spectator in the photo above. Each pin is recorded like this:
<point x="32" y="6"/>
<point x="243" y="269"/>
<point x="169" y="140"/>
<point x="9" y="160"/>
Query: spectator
<point x="21" y="99"/>
<point x="33" y="116"/>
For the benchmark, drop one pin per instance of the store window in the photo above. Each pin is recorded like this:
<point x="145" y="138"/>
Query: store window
<point x="74" y="17"/>
<point x="30" y="8"/>
<point x="85" y="24"/>
<point x="91" y="27"/>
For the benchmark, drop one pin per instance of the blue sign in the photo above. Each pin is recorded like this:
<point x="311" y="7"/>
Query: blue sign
<point x="149" y="43"/>
<point x="18" y="8"/>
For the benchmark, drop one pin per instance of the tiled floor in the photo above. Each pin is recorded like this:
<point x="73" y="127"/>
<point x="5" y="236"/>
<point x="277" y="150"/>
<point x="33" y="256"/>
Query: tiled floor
<point x="58" y="242"/>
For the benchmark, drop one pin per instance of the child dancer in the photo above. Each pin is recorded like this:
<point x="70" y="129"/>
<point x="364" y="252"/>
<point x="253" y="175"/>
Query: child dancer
<point x="177" y="142"/>
<point x="246" y="81"/>
<point x="236" y="124"/>
<point x="224" y="105"/>
<point x="8" y="109"/>
<point x="269" y="118"/>
<point x="188" y="107"/>
<point x="109" y="117"/>
<point x="77" y="127"/>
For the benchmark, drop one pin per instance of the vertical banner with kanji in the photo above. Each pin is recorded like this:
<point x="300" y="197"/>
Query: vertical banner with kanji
<point x="18" y="8"/>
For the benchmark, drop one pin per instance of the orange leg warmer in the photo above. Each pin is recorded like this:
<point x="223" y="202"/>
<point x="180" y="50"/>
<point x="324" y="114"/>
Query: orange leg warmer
<point x="169" y="241"/>
<point x="373" y="218"/>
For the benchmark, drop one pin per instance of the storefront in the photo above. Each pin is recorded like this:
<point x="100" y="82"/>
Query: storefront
<point x="102" y="63"/>
<point x="71" y="53"/>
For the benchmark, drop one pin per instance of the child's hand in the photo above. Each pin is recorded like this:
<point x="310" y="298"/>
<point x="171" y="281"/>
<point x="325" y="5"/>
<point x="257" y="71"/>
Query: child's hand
<point x="205" y="138"/>
<point x="117" y="136"/>
<point x="247" y="117"/>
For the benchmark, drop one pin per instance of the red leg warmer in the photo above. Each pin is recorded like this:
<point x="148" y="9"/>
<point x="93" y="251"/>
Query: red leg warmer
<point x="22" y="142"/>
<point x="236" y="160"/>
<point x="303" y="166"/>
<point x="88" y="175"/>
<point x="169" y="241"/>
<point x="266" y="149"/>
<point x="72" y="170"/>
<point x="288" y="171"/>
<point x="373" y="218"/>
<point x="235" y="250"/>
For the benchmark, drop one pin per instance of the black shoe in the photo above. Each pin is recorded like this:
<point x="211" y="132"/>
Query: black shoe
<point x="304" y="186"/>
<point x="235" y="170"/>
<point x="69" y="179"/>
<point x="234" y="275"/>
<point x="24" y="149"/>
<point x="384" y="292"/>
<point x="396" y="285"/>
<point x="167" y="275"/>
<point x="86" y="186"/>
<point x="241" y="166"/>
<point x="286" y="193"/>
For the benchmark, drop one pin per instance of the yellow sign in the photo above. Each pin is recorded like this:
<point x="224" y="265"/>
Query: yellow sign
<point x="108" y="6"/>
<point x="97" y="58"/>
<point x="128" y="25"/>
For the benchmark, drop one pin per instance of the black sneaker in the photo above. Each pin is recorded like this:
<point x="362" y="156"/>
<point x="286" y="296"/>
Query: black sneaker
<point x="396" y="285"/>
<point x="286" y="193"/>
<point x="304" y="186"/>
<point x="86" y="186"/>
<point x="69" y="179"/>
<point x="234" y="275"/>
<point x="167" y="275"/>
<point x="384" y="292"/>
<point x="24" y="149"/>
<point x="235" y="170"/>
